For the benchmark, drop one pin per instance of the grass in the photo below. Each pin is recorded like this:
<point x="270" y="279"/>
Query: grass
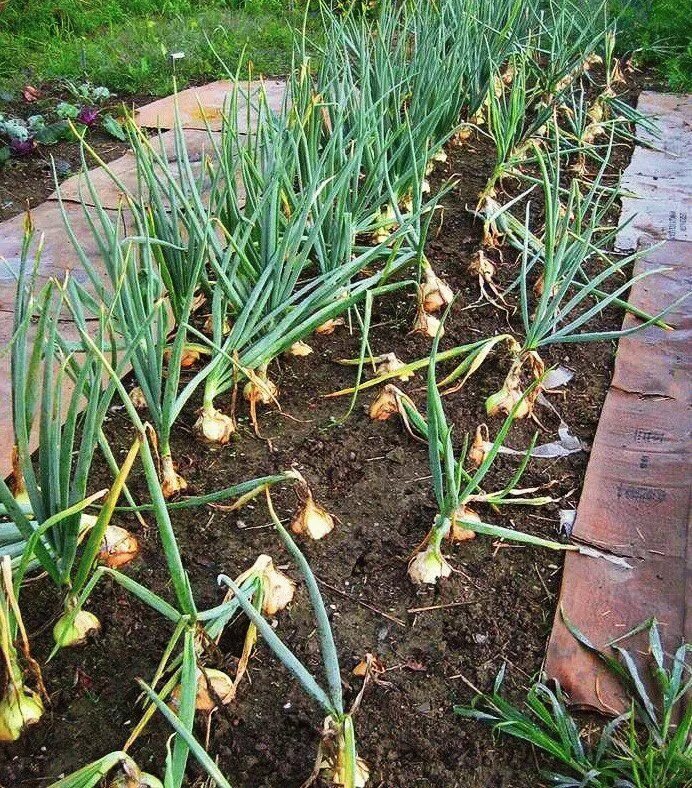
<point x="662" y="32"/>
<point x="126" y="44"/>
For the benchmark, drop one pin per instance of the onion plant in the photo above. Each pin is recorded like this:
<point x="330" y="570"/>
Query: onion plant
<point x="457" y="490"/>
<point x="648" y="746"/>
<point x="43" y="521"/>
<point x="93" y="774"/>
<point x="187" y="681"/>
<point x="20" y="705"/>
<point x="130" y="288"/>
<point x="570" y="38"/>
<point x="337" y="754"/>
<point x="565" y="297"/>
<point x="261" y="232"/>
<point x="517" y="116"/>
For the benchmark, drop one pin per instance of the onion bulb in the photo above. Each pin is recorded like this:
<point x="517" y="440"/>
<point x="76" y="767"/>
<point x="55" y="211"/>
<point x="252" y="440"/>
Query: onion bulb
<point x="459" y="532"/>
<point x="511" y="394"/>
<point x="213" y="687"/>
<point x="387" y="224"/>
<point x="213" y="426"/>
<point x="75" y="633"/>
<point x="505" y="400"/>
<point x="328" y="327"/>
<point x="333" y="756"/>
<point x="260" y="389"/>
<point x="480" y="446"/>
<point x="133" y="777"/>
<point x="463" y="135"/>
<point x="426" y="324"/>
<point x="171" y="482"/>
<point x="278" y="588"/>
<point x="435" y="293"/>
<point x="189" y="357"/>
<point x="18" y="487"/>
<point x="19" y="708"/>
<point x="118" y="547"/>
<point x="388" y="363"/>
<point x="386" y="404"/>
<point x="312" y="519"/>
<point x="428" y="566"/>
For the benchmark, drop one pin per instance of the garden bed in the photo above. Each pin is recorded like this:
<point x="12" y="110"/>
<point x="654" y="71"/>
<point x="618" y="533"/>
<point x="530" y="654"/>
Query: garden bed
<point x="496" y="608"/>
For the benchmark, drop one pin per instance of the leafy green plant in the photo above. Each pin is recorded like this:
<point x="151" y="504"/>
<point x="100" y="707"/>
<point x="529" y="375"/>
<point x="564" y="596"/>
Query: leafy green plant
<point x="94" y="773"/>
<point x="42" y="514"/>
<point x="457" y="489"/>
<point x="648" y="746"/>
<point x="131" y="299"/>
<point x="337" y="755"/>
<point x="565" y="297"/>
<point x="20" y="706"/>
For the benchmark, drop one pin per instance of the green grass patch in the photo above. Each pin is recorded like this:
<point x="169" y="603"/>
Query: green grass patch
<point x="662" y="32"/>
<point x="125" y="44"/>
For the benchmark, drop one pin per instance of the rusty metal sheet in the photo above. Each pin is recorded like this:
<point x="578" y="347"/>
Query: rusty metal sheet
<point x="659" y="175"/>
<point x="606" y="601"/>
<point x="202" y="107"/>
<point x="635" y="502"/>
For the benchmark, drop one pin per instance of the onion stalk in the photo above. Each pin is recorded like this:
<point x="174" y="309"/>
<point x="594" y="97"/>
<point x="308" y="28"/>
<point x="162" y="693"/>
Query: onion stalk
<point x="20" y="706"/>
<point x="457" y="490"/>
<point x="337" y="754"/>
<point x="567" y="298"/>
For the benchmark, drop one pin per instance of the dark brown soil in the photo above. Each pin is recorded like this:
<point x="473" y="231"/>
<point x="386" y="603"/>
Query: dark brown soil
<point x="496" y="608"/>
<point x="29" y="180"/>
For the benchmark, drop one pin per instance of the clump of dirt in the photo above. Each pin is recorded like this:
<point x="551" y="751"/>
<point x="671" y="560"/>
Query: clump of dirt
<point x="495" y="609"/>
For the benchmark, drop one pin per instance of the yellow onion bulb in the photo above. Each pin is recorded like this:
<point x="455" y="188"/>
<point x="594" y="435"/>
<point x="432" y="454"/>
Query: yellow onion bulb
<point x="329" y="327"/>
<point x="463" y="135"/>
<point x="337" y="773"/>
<point x="435" y="293"/>
<point x="480" y="446"/>
<point x="20" y="708"/>
<point x="386" y="404"/>
<point x="132" y="776"/>
<point x="460" y="532"/>
<point x="118" y="547"/>
<point x="77" y="632"/>
<point x="426" y="324"/>
<point x="260" y="389"/>
<point x="172" y="482"/>
<point x="189" y="357"/>
<point x="213" y="687"/>
<point x="213" y="684"/>
<point x="428" y="566"/>
<point x="334" y="758"/>
<point x="213" y="426"/>
<point x="504" y="401"/>
<point x="387" y="222"/>
<point x="19" y="491"/>
<point x="312" y="519"/>
<point x="279" y="589"/>
<point x="390" y="363"/>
